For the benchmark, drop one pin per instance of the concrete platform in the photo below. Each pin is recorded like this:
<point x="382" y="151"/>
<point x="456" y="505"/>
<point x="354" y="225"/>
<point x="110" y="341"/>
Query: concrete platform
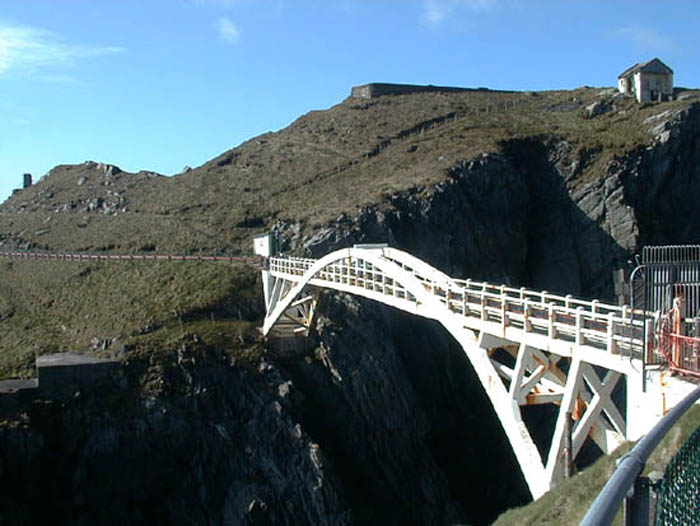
<point x="62" y="372"/>
<point x="63" y="359"/>
<point x="12" y="386"/>
<point x="58" y="374"/>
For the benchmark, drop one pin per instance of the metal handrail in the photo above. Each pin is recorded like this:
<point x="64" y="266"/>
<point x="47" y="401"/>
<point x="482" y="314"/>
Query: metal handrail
<point x="608" y="501"/>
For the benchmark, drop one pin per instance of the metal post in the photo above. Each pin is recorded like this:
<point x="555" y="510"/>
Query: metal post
<point x="641" y="501"/>
<point x="655" y="480"/>
<point x="636" y="505"/>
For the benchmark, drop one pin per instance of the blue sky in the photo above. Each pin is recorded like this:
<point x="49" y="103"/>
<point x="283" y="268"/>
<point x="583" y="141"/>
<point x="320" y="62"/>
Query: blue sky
<point x="160" y="84"/>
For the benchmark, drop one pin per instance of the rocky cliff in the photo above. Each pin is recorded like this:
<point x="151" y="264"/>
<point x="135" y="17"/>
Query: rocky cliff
<point x="380" y="419"/>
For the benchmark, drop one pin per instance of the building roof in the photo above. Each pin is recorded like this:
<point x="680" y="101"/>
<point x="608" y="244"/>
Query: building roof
<point x="652" y="66"/>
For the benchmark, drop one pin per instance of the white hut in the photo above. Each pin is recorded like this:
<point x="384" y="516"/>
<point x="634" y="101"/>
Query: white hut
<point x="651" y="80"/>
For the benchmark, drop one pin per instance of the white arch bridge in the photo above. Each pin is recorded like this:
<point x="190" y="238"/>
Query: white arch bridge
<point x="527" y="347"/>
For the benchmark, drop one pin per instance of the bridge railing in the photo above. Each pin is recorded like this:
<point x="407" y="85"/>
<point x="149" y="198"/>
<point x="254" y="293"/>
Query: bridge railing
<point x="615" y="329"/>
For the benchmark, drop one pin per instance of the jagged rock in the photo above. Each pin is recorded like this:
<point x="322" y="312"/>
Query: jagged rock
<point x="597" y="108"/>
<point x="216" y="455"/>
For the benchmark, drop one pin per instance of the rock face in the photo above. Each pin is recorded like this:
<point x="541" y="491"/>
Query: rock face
<point x="212" y="444"/>
<point x="380" y="422"/>
<point x="394" y="403"/>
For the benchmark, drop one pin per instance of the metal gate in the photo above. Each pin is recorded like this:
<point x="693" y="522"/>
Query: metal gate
<point x="668" y="283"/>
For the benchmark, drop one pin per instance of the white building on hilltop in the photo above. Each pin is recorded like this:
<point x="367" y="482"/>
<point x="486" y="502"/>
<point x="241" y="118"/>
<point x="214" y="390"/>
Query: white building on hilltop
<point x="651" y="80"/>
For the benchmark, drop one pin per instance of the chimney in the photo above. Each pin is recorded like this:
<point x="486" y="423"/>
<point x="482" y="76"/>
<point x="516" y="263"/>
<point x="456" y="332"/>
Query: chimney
<point x="27" y="181"/>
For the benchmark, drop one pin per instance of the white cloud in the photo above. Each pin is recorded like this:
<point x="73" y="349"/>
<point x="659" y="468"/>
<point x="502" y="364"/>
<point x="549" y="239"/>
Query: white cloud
<point x="228" y="31"/>
<point x="26" y="49"/>
<point x="435" y="12"/>
<point x="645" y="38"/>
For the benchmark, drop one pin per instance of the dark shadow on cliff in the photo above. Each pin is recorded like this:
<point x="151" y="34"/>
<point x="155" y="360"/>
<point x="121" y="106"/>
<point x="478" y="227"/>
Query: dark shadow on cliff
<point x="465" y="437"/>
<point x="568" y="251"/>
<point x="360" y="406"/>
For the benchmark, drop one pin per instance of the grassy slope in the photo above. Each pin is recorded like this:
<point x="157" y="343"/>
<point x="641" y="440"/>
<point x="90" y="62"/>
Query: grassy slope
<point x="63" y="306"/>
<point x="566" y="504"/>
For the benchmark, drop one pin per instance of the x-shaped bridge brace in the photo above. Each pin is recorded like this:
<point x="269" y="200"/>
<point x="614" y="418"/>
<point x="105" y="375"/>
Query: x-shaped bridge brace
<point x="538" y="377"/>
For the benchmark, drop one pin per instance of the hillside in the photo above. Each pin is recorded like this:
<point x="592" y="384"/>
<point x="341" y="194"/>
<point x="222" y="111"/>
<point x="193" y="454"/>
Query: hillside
<point x="371" y="170"/>
<point x="380" y="420"/>
<point x="354" y="155"/>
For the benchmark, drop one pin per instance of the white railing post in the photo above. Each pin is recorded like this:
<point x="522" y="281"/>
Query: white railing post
<point x="579" y="324"/>
<point x="611" y="335"/>
<point x="551" y="330"/>
<point x="526" y="315"/>
<point x="567" y="301"/>
<point x="504" y="320"/>
<point x="594" y="306"/>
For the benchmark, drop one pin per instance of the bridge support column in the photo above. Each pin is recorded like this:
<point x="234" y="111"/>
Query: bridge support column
<point x="298" y="316"/>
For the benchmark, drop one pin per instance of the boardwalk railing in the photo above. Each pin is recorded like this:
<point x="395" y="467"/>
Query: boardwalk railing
<point x="255" y="261"/>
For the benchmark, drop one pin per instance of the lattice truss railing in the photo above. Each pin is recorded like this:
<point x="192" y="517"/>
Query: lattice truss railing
<point x="538" y="348"/>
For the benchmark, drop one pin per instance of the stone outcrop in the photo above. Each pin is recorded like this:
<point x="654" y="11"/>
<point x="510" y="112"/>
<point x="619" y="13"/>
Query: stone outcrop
<point x="396" y="407"/>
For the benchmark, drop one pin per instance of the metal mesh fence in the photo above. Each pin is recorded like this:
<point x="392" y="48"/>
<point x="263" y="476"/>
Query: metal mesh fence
<point x="679" y="499"/>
